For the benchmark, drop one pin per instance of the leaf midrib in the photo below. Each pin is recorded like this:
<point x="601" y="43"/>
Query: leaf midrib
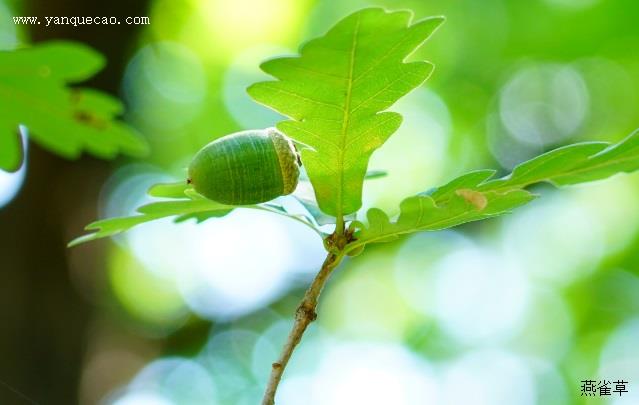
<point x="346" y="120"/>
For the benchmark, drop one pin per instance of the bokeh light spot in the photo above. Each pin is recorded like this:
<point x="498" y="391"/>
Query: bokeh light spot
<point x="10" y="185"/>
<point x="544" y="104"/>
<point x="548" y="326"/>
<point x="181" y="381"/>
<point x="165" y="87"/>
<point x="620" y="357"/>
<point x="241" y="73"/>
<point x="8" y="31"/>
<point x="141" y="398"/>
<point x="239" y="24"/>
<point x="365" y="304"/>
<point x="372" y="374"/>
<point x="414" y="266"/>
<point x="210" y="264"/>
<point x="144" y="294"/>
<point x="488" y="377"/>
<point x="566" y="245"/>
<point x="572" y="4"/>
<point x="472" y="288"/>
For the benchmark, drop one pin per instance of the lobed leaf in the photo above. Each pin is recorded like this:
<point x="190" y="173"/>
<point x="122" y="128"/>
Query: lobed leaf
<point x="181" y="201"/>
<point x="474" y="196"/>
<point x="335" y="92"/>
<point x="183" y="209"/>
<point x="34" y="92"/>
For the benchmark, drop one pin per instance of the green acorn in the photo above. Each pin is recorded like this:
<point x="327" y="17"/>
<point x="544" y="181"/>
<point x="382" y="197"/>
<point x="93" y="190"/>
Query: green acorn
<point x="246" y="167"/>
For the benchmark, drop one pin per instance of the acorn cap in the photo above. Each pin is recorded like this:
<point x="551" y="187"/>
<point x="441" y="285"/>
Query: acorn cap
<point x="288" y="159"/>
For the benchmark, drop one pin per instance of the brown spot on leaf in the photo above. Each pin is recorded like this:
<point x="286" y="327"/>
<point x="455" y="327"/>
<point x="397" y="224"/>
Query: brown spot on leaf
<point x="476" y="198"/>
<point x="89" y="119"/>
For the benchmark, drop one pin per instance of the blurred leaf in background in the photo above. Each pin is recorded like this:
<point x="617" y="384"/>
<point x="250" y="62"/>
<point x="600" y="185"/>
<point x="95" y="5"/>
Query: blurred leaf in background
<point x="66" y="121"/>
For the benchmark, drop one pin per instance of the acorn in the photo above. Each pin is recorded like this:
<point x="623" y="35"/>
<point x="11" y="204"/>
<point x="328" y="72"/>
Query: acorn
<point x="247" y="167"/>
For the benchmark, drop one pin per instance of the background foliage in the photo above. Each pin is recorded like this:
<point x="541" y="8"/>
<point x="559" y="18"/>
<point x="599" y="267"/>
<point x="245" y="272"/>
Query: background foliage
<point x="515" y="310"/>
<point x="67" y="121"/>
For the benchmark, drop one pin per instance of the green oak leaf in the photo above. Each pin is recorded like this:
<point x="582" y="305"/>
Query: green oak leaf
<point x="474" y="196"/>
<point x="34" y="92"/>
<point x="169" y="190"/>
<point x="335" y="93"/>
<point x="181" y="201"/>
<point x="151" y="212"/>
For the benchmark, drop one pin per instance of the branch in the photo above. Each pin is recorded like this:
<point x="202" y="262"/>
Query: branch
<point x="304" y="315"/>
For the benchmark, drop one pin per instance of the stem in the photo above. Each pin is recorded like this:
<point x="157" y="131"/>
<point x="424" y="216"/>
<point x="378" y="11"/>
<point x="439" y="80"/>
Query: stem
<point x="339" y="225"/>
<point x="304" y="315"/>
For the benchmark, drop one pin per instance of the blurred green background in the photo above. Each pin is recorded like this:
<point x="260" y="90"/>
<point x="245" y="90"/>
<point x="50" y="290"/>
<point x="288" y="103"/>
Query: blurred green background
<point x="512" y="311"/>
